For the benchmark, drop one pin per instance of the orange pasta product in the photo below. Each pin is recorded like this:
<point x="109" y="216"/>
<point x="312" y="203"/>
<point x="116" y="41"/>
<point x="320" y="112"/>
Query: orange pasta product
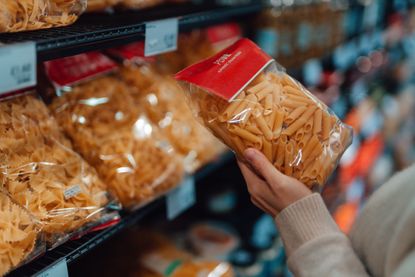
<point x="114" y="135"/>
<point x="19" y="235"/>
<point x="165" y="104"/>
<point x="41" y="172"/>
<point x="246" y="94"/>
<point x="24" y="15"/>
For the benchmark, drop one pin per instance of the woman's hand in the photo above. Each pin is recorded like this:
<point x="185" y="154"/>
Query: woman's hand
<point x="270" y="190"/>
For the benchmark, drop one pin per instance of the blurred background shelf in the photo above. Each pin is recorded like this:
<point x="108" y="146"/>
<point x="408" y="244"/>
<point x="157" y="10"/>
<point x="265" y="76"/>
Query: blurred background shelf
<point x="103" y="30"/>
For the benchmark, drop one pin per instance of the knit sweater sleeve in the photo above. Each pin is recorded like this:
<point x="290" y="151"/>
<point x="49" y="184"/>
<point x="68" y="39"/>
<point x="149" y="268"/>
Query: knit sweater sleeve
<point x="314" y="244"/>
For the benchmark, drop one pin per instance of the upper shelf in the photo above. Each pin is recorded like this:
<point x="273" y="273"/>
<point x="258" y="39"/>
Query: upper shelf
<point x="97" y="31"/>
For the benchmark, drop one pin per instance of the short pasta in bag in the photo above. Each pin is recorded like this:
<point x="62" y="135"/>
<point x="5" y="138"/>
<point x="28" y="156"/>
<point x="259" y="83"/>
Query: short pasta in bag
<point x="19" y="235"/>
<point x="164" y="103"/>
<point x="114" y="136"/>
<point x="24" y="15"/>
<point x="247" y="100"/>
<point x="41" y="172"/>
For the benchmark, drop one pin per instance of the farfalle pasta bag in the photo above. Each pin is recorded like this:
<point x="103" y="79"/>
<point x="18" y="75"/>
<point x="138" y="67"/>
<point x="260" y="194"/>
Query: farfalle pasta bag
<point x="164" y="103"/>
<point x="247" y="100"/>
<point x="42" y="173"/>
<point x="19" y="235"/>
<point x="110" y="131"/>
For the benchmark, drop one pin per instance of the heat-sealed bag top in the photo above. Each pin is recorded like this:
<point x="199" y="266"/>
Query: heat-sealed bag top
<point x="164" y="103"/>
<point x="19" y="235"/>
<point x="247" y="100"/>
<point x="24" y="15"/>
<point x="113" y="134"/>
<point x="41" y="172"/>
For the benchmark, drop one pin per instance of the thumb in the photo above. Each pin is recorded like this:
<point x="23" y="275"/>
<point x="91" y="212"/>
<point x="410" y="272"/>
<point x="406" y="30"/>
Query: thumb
<point x="262" y="166"/>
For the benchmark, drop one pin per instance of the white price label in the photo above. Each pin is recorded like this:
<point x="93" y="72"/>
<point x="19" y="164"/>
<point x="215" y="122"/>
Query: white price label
<point x="181" y="198"/>
<point x="17" y="66"/>
<point x="71" y="192"/>
<point x="161" y="36"/>
<point x="59" y="269"/>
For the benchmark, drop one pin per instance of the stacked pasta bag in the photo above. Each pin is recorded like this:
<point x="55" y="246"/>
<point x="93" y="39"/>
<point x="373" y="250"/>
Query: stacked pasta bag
<point x="41" y="172"/>
<point x="24" y="15"/>
<point x="111" y="132"/>
<point x="164" y="104"/>
<point x="19" y="235"/>
<point x="247" y="100"/>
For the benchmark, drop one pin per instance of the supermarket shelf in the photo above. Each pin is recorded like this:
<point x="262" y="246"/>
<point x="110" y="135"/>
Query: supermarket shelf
<point x="74" y="249"/>
<point x="103" y="30"/>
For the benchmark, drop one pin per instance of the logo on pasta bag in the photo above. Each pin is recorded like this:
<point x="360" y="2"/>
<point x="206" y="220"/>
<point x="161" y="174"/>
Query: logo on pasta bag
<point x="227" y="73"/>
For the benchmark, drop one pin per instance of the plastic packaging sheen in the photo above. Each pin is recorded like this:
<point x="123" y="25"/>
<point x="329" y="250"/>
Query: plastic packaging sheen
<point x="115" y="136"/>
<point x="41" y="172"/>
<point x="19" y="235"/>
<point x="247" y="100"/>
<point x="165" y="105"/>
<point x="24" y="15"/>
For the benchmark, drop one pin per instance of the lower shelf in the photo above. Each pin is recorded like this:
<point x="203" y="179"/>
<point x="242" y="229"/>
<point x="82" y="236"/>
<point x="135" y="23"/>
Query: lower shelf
<point x="72" y="250"/>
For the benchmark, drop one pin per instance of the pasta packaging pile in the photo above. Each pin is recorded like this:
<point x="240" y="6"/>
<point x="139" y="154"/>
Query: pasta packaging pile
<point x="42" y="173"/>
<point x="24" y="15"/>
<point x="164" y="103"/>
<point x="114" y="136"/>
<point x="247" y="100"/>
<point x="19" y="234"/>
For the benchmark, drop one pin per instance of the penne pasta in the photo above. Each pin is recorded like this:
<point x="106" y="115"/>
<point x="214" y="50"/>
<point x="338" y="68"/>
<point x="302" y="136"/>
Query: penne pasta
<point x="299" y="122"/>
<point x="325" y="128"/>
<point x="263" y="126"/>
<point x="278" y="122"/>
<point x="255" y="89"/>
<point x="317" y="122"/>
<point x="267" y="149"/>
<point x="288" y="158"/>
<point x="244" y="134"/>
<point x="268" y="104"/>
<point x="295" y="114"/>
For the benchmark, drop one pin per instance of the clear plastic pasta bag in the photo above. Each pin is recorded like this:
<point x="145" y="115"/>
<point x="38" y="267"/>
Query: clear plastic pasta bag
<point x="19" y="235"/>
<point x="114" y="136"/>
<point x="25" y="15"/>
<point x="247" y="100"/>
<point x="41" y="172"/>
<point x="165" y="105"/>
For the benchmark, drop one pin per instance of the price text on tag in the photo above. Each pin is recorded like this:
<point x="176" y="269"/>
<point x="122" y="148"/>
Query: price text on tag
<point x="161" y="36"/>
<point x="59" y="269"/>
<point x="17" y="66"/>
<point x="181" y="198"/>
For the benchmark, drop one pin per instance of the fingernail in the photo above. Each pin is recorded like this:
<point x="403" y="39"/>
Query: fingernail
<point x="250" y="154"/>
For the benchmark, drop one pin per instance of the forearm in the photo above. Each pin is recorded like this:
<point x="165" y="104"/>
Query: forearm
<point x="314" y="244"/>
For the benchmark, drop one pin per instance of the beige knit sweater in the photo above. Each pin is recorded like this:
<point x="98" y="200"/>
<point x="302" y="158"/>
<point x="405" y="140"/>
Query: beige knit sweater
<point x="381" y="243"/>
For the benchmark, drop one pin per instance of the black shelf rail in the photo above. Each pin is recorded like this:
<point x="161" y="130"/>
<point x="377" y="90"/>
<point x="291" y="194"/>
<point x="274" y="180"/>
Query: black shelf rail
<point x="97" y="31"/>
<point x="74" y="249"/>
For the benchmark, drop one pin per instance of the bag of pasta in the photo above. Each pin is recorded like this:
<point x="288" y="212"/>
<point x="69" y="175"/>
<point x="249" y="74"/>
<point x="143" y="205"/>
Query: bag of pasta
<point x="247" y="100"/>
<point x="24" y="15"/>
<point x="113" y="134"/>
<point x="164" y="103"/>
<point x="19" y="235"/>
<point x="41" y="172"/>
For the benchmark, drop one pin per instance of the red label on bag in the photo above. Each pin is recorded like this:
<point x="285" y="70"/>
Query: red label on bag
<point x="224" y="33"/>
<point x="133" y="52"/>
<point x="228" y="72"/>
<point x="72" y="70"/>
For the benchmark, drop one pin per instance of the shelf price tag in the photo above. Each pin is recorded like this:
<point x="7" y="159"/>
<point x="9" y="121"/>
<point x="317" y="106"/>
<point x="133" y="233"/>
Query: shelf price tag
<point x="17" y="66"/>
<point x="181" y="198"/>
<point x="58" y="269"/>
<point x="161" y="36"/>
